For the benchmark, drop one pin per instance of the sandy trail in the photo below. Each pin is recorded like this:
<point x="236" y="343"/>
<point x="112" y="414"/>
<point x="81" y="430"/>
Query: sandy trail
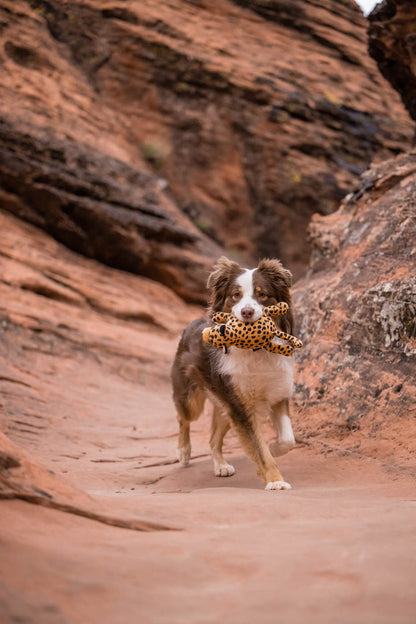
<point x="339" y="547"/>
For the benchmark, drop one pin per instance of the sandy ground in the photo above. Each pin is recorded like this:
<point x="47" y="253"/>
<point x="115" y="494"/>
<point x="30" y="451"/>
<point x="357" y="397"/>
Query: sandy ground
<point x="339" y="547"/>
<point x="84" y="392"/>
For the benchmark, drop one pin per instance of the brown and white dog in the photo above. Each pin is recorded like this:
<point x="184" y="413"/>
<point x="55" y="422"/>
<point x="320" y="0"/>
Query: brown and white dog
<point x="244" y="386"/>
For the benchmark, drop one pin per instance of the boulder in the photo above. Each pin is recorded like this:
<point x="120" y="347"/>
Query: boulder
<point x="357" y="317"/>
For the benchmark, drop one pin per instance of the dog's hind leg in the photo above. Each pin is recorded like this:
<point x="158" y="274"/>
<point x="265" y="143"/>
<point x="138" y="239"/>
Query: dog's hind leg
<point x="280" y="417"/>
<point x="188" y="409"/>
<point x="220" y="426"/>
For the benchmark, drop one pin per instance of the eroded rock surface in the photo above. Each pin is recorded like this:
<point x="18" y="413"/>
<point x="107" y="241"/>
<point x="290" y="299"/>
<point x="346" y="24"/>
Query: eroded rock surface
<point x="148" y="136"/>
<point x="357" y="314"/>
<point x="102" y="208"/>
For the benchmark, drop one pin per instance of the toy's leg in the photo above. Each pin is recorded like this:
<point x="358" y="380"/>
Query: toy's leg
<point x="294" y="341"/>
<point x="280" y="417"/>
<point x="189" y="408"/>
<point x="279" y="348"/>
<point x="216" y="336"/>
<point x="220" y="426"/>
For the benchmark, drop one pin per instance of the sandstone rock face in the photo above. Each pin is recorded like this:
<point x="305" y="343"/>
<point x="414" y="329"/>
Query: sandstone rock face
<point x="68" y="166"/>
<point x="151" y="136"/>
<point x="392" y="43"/>
<point x="45" y="287"/>
<point x="66" y="322"/>
<point x="102" y="208"/>
<point x="357" y="316"/>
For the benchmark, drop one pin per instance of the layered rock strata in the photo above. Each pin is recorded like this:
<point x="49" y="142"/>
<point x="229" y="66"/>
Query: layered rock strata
<point x="150" y="136"/>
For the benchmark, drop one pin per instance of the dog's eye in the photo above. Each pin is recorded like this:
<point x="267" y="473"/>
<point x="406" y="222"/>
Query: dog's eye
<point x="262" y="295"/>
<point x="236" y="295"/>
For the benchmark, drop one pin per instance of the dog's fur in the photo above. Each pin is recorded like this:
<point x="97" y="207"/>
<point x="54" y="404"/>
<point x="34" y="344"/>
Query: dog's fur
<point x="243" y="385"/>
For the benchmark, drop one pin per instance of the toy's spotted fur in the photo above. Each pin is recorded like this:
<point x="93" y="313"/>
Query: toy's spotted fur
<point x="251" y="335"/>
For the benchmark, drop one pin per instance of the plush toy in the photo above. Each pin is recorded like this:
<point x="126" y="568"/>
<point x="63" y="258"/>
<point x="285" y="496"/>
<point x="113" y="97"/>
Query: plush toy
<point x="251" y="335"/>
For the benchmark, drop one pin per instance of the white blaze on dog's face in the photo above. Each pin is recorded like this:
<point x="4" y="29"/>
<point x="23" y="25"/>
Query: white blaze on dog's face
<point x="245" y="292"/>
<point x="247" y="308"/>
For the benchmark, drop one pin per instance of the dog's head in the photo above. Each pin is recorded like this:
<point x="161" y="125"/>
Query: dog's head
<point x="245" y="292"/>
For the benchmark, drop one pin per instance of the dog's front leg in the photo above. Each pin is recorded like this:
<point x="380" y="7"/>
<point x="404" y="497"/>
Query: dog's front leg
<point x="255" y="446"/>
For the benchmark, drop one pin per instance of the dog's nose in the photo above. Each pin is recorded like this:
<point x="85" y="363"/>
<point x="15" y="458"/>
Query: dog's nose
<point x="247" y="313"/>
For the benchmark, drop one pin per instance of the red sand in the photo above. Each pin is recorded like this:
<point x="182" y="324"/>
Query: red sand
<point x="339" y="547"/>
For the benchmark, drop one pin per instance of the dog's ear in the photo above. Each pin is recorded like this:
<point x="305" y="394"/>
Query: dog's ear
<point x="274" y="269"/>
<point x="224" y="270"/>
<point x="281" y="281"/>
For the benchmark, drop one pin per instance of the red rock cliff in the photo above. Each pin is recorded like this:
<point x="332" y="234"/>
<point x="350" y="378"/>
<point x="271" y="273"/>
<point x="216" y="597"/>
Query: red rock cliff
<point x="150" y="136"/>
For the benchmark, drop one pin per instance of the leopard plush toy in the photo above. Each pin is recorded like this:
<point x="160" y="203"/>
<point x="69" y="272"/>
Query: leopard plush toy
<point x="251" y="335"/>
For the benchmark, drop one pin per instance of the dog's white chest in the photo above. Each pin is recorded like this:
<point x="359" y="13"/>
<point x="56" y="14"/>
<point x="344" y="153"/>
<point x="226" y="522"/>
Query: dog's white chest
<point x="262" y="375"/>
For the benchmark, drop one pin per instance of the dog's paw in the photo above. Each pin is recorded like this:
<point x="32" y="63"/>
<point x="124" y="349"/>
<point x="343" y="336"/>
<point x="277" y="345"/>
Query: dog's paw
<point x="279" y="448"/>
<point x="183" y="454"/>
<point x="278" y="485"/>
<point x="223" y="470"/>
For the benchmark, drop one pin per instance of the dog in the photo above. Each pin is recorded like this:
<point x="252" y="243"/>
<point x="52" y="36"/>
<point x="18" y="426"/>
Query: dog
<point x="244" y="386"/>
